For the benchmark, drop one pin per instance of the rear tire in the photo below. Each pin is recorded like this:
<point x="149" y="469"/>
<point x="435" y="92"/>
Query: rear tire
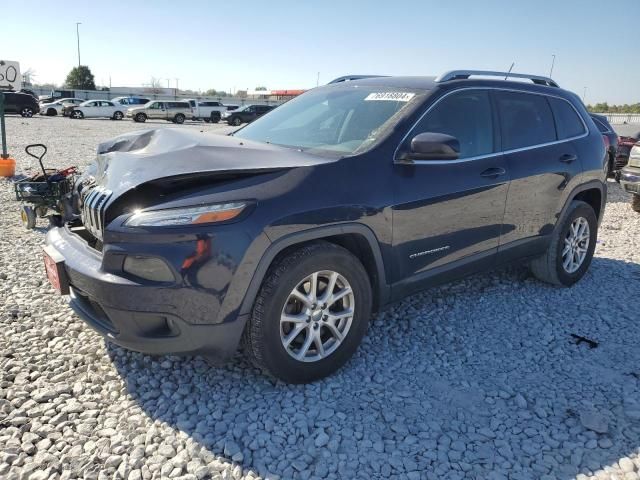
<point x="324" y="320"/>
<point x="140" y="118"/>
<point x="635" y="203"/>
<point x="28" y="216"/>
<point x="26" y="112"/>
<point x="118" y="116"/>
<point x="552" y="266"/>
<point x="179" y="119"/>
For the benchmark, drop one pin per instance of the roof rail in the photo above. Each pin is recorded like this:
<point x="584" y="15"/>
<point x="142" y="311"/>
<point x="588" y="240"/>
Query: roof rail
<point x="348" y="78"/>
<point x="463" y="74"/>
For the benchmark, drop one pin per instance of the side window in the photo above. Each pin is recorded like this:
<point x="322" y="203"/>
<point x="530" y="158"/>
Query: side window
<point x="526" y="120"/>
<point x="466" y="116"/>
<point x="601" y="126"/>
<point x="568" y="124"/>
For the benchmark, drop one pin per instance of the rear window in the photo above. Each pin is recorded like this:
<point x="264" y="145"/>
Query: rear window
<point x="568" y="123"/>
<point x="525" y="120"/>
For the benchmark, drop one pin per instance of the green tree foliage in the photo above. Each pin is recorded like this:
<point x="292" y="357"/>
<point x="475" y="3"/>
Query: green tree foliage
<point x="212" y="92"/>
<point x="606" y="108"/>
<point x="80" y="78"/>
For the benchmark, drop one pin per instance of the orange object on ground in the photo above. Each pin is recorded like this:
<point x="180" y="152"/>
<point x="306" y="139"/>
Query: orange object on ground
<point x="7" y="167"/>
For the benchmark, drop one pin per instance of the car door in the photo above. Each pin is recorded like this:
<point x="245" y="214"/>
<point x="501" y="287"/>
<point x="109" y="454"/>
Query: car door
<point x="543" y="164"/>
<point x="157" y="110"/>
<point x="11" y="104"/>
<point x="91" y="109"/>
<point x="448" y="214"/>
<point x="108" y="109"/>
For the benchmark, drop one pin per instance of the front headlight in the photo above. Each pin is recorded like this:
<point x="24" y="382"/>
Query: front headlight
<point x="186" y="216"/>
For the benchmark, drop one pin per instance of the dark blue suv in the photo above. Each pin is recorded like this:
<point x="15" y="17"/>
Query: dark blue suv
<point x="289" y="233"/>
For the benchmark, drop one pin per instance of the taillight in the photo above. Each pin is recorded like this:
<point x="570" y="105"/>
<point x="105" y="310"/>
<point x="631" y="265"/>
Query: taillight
<point x="607" y="143"/>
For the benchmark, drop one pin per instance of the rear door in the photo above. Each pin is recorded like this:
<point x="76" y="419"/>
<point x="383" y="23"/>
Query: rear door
<point x="542" y="160"/>
<point x="448" y="213"/>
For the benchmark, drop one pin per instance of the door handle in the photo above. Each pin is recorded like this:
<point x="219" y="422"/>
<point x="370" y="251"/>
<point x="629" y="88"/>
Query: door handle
<point x="568" y="158"/>
<point x="493" y="172"/>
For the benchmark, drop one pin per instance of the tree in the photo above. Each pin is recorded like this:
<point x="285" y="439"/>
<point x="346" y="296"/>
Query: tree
<point x="80" y="78"/>
<point x="261" y="89"/>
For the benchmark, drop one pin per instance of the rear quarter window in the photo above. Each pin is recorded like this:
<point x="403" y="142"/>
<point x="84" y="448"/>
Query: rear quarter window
<point x="525" y="120"/>
<point x="568" y="123"/>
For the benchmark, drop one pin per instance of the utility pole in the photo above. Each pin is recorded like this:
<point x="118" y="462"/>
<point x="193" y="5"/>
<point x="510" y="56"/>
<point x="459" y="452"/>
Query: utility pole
<point x="78" y="38"/>
<point x="553" y="61"/>
<point x="177" y="79"/>
<point x="318" y="79"/>
<point x="168" y="83"/>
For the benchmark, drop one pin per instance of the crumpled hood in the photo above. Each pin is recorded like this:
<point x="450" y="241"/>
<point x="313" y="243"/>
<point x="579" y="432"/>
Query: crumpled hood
<point x="133" y="159"/>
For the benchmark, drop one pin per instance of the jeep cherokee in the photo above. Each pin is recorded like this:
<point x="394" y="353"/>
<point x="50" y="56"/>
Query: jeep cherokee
<point x="290" y="232"/>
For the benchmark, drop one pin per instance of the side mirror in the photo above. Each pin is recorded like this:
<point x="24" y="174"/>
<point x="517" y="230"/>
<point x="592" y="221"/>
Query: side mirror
<point x="433" y="146"/>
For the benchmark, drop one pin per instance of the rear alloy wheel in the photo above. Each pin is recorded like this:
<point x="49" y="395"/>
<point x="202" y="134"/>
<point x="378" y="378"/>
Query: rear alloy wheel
<point x="118" y="116"/>
<point x="310" y="314"/>
<point x="140" y="118"/>
<point x="571" y="249"/>
<point x="26" y="112"/>
<point x="635" y="203"/>
<point x="179" y="118"/>
<point x="77" y="114"/>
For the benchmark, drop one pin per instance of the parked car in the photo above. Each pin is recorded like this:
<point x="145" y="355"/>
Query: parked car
<point x="291" y="231"/>
<point x="20" y="103"/>
<point x="57" y="108"/>
<point x="98" y="109"/>
<point x="625" y="144"/>
<point x="246" y="114"/>
<point x="610" y="141"/>
<point x="206" y="110"/>
<point x="130" y="102"/>
<point x="630" y="177"/>
<point x="176" y="112"/>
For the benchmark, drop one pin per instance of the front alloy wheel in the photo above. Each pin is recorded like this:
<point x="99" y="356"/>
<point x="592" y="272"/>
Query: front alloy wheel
<point x="310" y="314"/>
<point x="27" y="112"/>
<point x="317" y="316"/>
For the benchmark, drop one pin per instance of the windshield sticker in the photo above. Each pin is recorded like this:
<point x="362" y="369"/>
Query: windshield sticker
<point x="390" y="96"/>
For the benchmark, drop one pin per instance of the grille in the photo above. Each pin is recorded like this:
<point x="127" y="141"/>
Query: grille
<point x="94" y="204"/>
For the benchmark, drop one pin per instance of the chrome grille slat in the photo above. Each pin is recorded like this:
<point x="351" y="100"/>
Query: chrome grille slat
<point x="93" y="210"/>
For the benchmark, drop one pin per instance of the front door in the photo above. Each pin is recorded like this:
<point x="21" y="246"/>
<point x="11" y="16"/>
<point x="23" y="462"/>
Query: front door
<point x="449" y="213"/>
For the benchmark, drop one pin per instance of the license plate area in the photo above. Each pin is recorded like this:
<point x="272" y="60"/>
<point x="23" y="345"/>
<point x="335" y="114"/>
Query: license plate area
<point x="54" y="267"/>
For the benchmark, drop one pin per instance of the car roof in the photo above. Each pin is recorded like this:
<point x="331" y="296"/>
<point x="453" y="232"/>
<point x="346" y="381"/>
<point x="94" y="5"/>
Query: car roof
<point x="422" y="83"/>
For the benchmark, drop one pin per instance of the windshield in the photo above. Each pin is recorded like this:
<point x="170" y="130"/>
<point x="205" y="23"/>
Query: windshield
<point x="345" y="119"/>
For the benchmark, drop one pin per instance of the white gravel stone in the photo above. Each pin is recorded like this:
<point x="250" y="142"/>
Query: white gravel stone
<point x="491" y="385"/>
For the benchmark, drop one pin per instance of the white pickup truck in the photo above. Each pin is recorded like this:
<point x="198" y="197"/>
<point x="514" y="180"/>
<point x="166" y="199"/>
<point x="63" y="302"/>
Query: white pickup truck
<point x="207" y="110"/>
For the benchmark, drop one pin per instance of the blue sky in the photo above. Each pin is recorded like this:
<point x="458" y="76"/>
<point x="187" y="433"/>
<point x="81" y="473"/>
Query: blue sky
<point x="284" y="44"/>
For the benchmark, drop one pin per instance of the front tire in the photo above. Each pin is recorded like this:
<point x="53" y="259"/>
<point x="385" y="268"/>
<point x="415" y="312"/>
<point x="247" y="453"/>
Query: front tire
<point x="77" y="114"/>
<point x="635" y="203"/>
<point x="52" y="112"/>
<point x="571" y="249"/>
<point x="310" y="315"/>
<point x="235" y="121"/>
<point x="140" y="118"/>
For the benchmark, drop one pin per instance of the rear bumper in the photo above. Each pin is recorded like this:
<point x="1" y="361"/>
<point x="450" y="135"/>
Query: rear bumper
<point x="630" y="179"/>
<point x="150" y="318"/>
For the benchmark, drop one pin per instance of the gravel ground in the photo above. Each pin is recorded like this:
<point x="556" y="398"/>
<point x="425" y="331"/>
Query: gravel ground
<point x="479" y="379"/>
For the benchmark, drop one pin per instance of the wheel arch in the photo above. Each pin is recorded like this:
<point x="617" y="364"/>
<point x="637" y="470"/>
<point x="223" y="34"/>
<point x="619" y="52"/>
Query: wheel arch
<point x="357" y="238"/>
<point x="594" y="193"/>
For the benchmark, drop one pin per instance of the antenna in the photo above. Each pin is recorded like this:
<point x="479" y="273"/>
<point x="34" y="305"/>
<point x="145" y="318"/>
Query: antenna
<point x="510" y="68"/>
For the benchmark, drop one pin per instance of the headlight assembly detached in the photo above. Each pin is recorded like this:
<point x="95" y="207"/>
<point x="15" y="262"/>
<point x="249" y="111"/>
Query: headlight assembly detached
<point x="186" y="216"/>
